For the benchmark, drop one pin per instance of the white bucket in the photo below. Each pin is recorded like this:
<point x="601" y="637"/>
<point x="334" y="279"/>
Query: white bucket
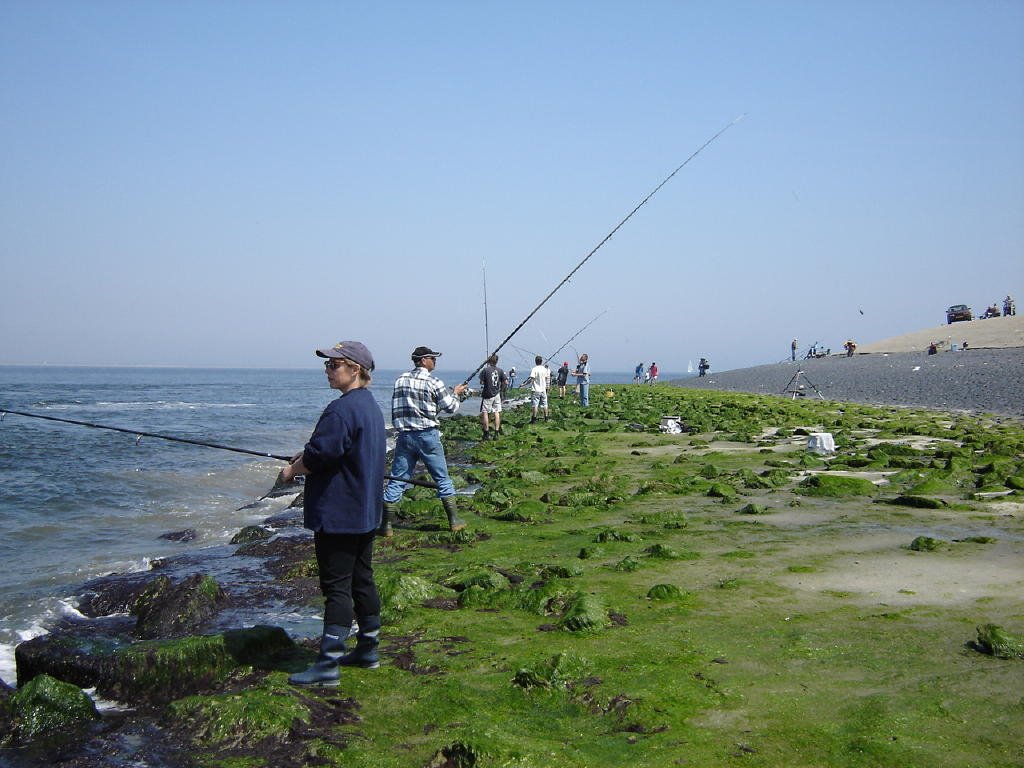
<point x="821" y="442"/>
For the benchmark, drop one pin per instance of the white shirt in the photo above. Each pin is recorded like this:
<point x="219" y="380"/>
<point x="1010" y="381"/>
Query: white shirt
<point x="539" y="378"/>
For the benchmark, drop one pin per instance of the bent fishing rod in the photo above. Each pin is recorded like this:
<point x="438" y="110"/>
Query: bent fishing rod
<point x="597" y="247"/>
<point x="139" y="435"/>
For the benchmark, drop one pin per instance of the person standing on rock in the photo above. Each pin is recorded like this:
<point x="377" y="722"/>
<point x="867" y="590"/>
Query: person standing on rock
<point x="582" y="374"/>
<point x="540" y="377"/>
<point x="492" y="382"/>
<point x="344" y="467"/>
<point x="792" y="350"/>
<point x="415" y="402"/>
<point x="563" y="376"/>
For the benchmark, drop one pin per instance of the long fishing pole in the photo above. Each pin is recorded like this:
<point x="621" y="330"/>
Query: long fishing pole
<point x="139" y="435"/>
<point x="569" y="340"/>
<point x="597" y="247"/>
<point x="487" y="334"/>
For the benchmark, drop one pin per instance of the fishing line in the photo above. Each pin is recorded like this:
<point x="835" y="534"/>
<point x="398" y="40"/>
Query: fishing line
<point x="597" y="247"/>
<point x="581" y="330"/>
<point x="139" y="435"/>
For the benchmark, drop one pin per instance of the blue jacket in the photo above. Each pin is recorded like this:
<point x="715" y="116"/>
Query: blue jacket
<point x="345" y="458"/>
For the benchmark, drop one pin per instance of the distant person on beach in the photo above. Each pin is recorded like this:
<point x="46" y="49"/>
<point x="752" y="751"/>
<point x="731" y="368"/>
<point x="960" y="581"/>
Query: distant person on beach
<point x="344" y="467"/>
<point x="792" y="350"/>
<point x="703" y="366"/>
<point x="540" y="376"/>
<point x="415" y="402"/>
<point x="511" y="377"/>
<point x="638" y="374"/>
<point x="653" y="372"/>
<point x="563" y="377"/>
<point x="850" y="346"/>
<point x="1009" y="307"/>
<point x="582" y="374"/>
<point x="492" y="382"/>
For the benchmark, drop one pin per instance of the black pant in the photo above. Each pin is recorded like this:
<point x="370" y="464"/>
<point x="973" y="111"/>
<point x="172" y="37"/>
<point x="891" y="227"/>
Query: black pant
<point x="346" y="576"/>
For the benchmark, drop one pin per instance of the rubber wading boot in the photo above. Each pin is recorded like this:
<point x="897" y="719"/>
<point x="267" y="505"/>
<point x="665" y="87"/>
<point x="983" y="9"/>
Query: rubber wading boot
<point x="386" y="514"/>
<point x="455" y="523"/>
<point x="365" y="653"/>
<point x="325" y="671"/>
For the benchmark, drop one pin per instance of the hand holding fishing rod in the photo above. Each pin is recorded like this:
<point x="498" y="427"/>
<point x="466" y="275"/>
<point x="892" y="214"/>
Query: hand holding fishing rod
<point x="597" y="247"/>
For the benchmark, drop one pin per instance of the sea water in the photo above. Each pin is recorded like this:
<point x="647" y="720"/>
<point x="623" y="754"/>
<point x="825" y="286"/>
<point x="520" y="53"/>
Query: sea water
<point x="78" y="502"/>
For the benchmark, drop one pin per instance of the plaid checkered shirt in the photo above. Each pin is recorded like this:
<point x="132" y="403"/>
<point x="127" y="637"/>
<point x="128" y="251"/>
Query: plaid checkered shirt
<point x="416" y="400"/>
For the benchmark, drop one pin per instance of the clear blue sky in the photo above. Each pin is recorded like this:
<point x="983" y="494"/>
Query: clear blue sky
<point x="235" y="183"/>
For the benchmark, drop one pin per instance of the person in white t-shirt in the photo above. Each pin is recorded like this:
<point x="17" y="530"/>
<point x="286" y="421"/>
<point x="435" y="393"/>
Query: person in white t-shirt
<point x="540" y="377"/>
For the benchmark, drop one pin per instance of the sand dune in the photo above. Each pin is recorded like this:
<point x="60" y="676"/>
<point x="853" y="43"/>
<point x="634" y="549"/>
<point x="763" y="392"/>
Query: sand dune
<point x="994" y="333"/>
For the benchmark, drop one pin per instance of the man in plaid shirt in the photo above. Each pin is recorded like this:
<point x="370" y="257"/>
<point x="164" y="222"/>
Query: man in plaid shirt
<point x="417" y="398"/>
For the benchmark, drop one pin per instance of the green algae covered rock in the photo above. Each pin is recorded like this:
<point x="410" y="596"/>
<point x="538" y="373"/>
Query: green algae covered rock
<point x="264" y="711"/>
<point x="251" y="533"/>
<point x="583" y="612"/>
<point x="722" y="491"/>
<point x="166" y="609"/>
<point x="400" y="591"/>
<point x="993" y="640"/>
<point x="920" y="502"/>
<point x="925" y="544"/>
<point x="753" y="509"/>
<point x="47" y="708"/>
<point x="664" y="592"/>
<point x="836" y="486"/>
<point x="563" y="670"/>
<point x="485" y="579"/>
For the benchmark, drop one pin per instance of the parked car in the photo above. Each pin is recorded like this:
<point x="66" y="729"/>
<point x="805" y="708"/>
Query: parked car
<point x="958" y="312"/>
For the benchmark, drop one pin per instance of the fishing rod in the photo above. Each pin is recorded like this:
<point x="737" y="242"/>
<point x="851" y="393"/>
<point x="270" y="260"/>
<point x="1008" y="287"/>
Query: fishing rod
<point x="487" y="334"/>
<point x="139" y="435"/>
<point x="597" y="247"/>
<point x="581" y="330"/>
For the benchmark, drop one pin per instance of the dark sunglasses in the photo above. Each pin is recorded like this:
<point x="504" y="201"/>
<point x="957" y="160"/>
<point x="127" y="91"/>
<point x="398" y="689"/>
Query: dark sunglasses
<point x="332" y="365"/>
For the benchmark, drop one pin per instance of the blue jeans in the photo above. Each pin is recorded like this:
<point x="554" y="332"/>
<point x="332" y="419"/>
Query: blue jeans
<point x="423" y="445"/>
<point x="584" y="393"/>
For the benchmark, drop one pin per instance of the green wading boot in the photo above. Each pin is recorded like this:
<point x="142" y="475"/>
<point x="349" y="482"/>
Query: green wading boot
<point x="386" y="514"/>
<point x="455" y="523"/>
<point x="325" y="671"/>
<point x="365" y="653"/>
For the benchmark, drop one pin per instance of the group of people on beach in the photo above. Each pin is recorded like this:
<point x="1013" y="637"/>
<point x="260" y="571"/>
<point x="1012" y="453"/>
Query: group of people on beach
<point x="346" y="501"/>
<point x="645" y="376"/>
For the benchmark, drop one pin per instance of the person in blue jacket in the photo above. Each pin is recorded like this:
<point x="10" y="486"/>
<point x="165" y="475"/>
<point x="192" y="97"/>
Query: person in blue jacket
<point x="344" y="492"/>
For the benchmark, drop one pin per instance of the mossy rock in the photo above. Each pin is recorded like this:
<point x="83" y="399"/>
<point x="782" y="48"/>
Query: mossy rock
<point x="628" y="564"/>
<point x="664" y="592"/>
<point x="486" y="579"/>
<point x="562" y="670"/>
<point x="722" y="491"/>
<point x="925" y="544"/>
<point x="48" y="709"/>
<point x="920" y="502"/>
<point x="993" y="640"/>
<point x="1016" y="482"/>
<point x="251" y="533"/>
<point x="560" y="571"/>
<point x="165" y="609"/>
<point x="533" y="477"/>
<point x="754" y="509"/>
<point x="836" y="486"/>
<point x="400" y="591"/>
<point x="583" y="612"/>
<point x="255" y="713"/>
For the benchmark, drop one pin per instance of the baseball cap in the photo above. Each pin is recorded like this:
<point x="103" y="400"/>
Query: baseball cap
<point x="424" y="352"/>
<point x="355" y="351"/>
